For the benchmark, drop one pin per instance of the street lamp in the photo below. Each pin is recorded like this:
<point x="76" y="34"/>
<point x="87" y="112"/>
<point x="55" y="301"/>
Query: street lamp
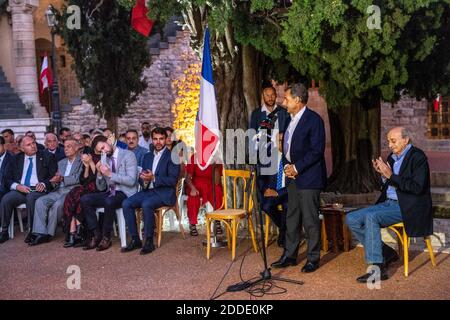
<point x="55" y="113"/>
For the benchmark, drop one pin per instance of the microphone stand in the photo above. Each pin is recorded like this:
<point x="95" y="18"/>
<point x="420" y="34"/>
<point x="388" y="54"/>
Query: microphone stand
<point x="265" y="274"/>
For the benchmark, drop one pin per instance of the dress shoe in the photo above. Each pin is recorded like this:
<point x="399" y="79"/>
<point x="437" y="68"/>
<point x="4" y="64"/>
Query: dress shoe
<point x="371" y="274"/>
<point x="70" y="241"/>
<point x="284" y="262"/>
<point x="29" y="238"/>
<point x="39" y="239"/>
<point x="4" y="236"/>
<point x="389" y="255"/>
<point x="310" y="267"/>
<point x="148" y="246"/>
<point x="104" y="244"/>
<point x="92" y="243"/>
<point x="134" y="244"/>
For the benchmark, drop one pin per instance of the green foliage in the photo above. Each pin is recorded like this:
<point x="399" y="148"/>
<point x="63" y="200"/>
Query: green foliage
<point x="109" y="55"/>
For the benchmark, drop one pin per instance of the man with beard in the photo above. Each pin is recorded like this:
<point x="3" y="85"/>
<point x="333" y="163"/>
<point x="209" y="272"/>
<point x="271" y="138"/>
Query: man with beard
<point x="270" y="187"/>
<point x="145" y="140"/>
<point x="158" y="179"/>
<point x="116" y="180"/>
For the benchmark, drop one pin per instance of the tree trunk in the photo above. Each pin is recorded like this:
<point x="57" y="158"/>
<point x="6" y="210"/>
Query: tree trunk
<point x="355" y="140"/>
<point x="113" y="124"/>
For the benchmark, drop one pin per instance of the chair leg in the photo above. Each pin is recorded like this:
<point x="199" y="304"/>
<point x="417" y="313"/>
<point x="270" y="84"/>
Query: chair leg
<point x="11" y="227"/>
<point x="430" y="250"/>
<point x="122" y="228"/>
<point x="228" y="235"/>
<point x="233" y="238"/>
<point x="252" y="233"/>
<point x="324" y="236"/>
<point x="208" y="237"/>
<point x="405" y="252"/>
<point x="266" y="237"/>
<point x="160" y="226"/>
<point x="178" y="215"/>
<point x="19" y="217"/>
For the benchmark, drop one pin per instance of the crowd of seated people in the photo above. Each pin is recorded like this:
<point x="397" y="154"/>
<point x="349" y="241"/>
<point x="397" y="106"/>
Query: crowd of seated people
<point x="65" y="180"/>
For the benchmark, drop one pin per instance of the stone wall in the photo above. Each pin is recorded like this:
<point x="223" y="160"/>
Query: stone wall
<point x="411" y="114"/>
<point x="154" y="104"/>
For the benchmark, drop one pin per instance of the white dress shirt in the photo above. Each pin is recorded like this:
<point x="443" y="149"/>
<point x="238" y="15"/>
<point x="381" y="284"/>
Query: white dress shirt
<point x="156" y="158"/>
<point x="2" y="158"/>
<point x="145" y="144"/>
<point x="290" y="132"/>
<point x="34" y="178"/>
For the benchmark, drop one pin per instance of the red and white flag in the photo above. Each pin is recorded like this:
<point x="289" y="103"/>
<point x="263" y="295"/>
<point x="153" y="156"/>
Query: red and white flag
<point x="207" y="133"/>
<point x="437" y="103"/>
<point x="139" y="20"/>
<point x="45" y="78"/>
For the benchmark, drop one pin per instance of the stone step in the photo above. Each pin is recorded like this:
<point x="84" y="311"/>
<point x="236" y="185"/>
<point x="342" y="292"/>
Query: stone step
<point x="440" y="179"/>
<point x="20" y="125"/>
<point x="10" y="98"/>
<point x="441" y="210"/>
<point x="15" y="116"/>
<point x="11" y="106"/>
<point x="440" y="194"/>
<point x="164" y="45"/>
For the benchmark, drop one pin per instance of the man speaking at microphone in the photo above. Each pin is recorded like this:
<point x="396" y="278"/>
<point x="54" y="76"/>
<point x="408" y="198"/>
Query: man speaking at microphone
<point x="267" y="183"/>
<point x="304" y="166"/>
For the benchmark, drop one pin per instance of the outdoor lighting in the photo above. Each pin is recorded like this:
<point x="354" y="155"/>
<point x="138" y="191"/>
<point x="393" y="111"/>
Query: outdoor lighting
<point x="51" y="19"/>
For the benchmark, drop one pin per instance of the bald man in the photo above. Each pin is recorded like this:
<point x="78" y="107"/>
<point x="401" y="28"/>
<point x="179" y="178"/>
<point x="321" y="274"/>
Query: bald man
<point x="52" y="146"/>
<point x="405" y="197"/>
<point x="28" y="178"/>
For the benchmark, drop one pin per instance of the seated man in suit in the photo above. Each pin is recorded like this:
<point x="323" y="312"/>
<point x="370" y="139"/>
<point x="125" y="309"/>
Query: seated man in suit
<point x="28" y="178"/>
<point x="405" y="196"/>
<point x="5" y="158"/>
<point x="158" y="179"/>
<point x="116" y="180"/>
<point x="49" y="208"/>
<point x="31" y="134"/>
<point x="132" y="138"/>
<point x="52" y="146"/>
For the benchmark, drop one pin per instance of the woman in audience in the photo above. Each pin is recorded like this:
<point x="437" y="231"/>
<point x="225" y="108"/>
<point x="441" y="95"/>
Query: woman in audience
<point x="72" y="207"/>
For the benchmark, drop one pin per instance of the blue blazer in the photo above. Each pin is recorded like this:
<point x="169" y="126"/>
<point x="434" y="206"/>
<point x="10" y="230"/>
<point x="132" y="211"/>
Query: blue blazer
<point x="6" y="160"/>
<point x="307" y="151"/>
<point x="166" y="176"/>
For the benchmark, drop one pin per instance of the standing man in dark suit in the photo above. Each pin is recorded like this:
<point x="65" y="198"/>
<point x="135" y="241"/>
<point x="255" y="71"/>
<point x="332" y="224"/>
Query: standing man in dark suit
<point x="158" y="179"/>
<point x="28" y="178"/>
<point x="405" y="196"/>
<point x="5" y="158"/>
<point x="52" y="146"/>
<point x="304" y="166"/>
<point x="267" y="183"/>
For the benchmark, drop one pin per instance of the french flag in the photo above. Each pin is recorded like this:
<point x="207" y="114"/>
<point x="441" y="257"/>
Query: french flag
<point x="207" y="133"/>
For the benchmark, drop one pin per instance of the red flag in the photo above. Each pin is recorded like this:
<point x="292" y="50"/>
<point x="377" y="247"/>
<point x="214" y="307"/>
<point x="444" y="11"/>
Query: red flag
<point x="139" y="20"/>
<point x="437" y="102"/>
<point x="45" y="78"/>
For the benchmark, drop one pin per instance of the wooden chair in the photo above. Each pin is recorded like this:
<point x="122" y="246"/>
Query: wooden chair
<point x="160" y="212"/>
<point x="403" y="240"/>
<point x="231" y="217"/>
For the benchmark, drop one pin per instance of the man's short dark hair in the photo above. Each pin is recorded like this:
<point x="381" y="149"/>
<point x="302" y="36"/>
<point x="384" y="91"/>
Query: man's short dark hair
<point x="8" y="131"/>
<point x="299" y="90"/>
<point x="133" y="131"/>
<point x="159" y="130"/>
<point x="2" y="140"/>
<point x="63" y="129"/>
<point x="169" y="129"/>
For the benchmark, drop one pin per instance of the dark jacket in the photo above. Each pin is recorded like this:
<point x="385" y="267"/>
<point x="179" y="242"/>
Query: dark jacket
<point x="307" y="151"/>
<point x="413" y="192"/>
<point x="59" y="153"/>
<point x="4" y="188"/>
<point x="166" y="175"/>
<point x="46" y="166"/>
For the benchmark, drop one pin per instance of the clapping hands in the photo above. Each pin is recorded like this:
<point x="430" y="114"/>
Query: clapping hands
<point x="382" y="167"/>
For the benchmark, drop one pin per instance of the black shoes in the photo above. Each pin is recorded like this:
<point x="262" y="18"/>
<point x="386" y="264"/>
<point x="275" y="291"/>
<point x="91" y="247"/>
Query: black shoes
<point x="372" y="275"/>
<point x="134" y="244"/>
<point x="310" y="267"/>
<point x="29" y="238"/>
<point x="148" y="246"/>
<point x="92" y="243"/>
<point x="39" y="239"/>
<point x="104" y="244"/>
<point x="4" y="236"/>
<point x="284" y="262"/>
<point x="389" y="255"/>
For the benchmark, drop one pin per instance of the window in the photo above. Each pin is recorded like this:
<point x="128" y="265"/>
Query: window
<point x="439" y="121"/>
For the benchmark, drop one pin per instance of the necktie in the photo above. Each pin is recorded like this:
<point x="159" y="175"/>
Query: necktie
<point x="112" y="185"/>
<point x="280" y="175"/>
<point x="29" y="172"/>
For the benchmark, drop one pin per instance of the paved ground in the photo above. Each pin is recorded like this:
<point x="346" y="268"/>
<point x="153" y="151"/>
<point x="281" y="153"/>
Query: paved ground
<point x="179" y="270"/>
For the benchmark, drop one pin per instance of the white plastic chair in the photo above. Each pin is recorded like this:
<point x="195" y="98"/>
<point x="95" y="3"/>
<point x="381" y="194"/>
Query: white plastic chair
<point x="120" y="222"/>
<point x="11" y="223"/>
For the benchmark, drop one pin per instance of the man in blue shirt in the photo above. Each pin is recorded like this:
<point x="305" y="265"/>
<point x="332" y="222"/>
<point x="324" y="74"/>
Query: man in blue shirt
<point x="132" y="138"/>
<point x="405" y="197"/>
